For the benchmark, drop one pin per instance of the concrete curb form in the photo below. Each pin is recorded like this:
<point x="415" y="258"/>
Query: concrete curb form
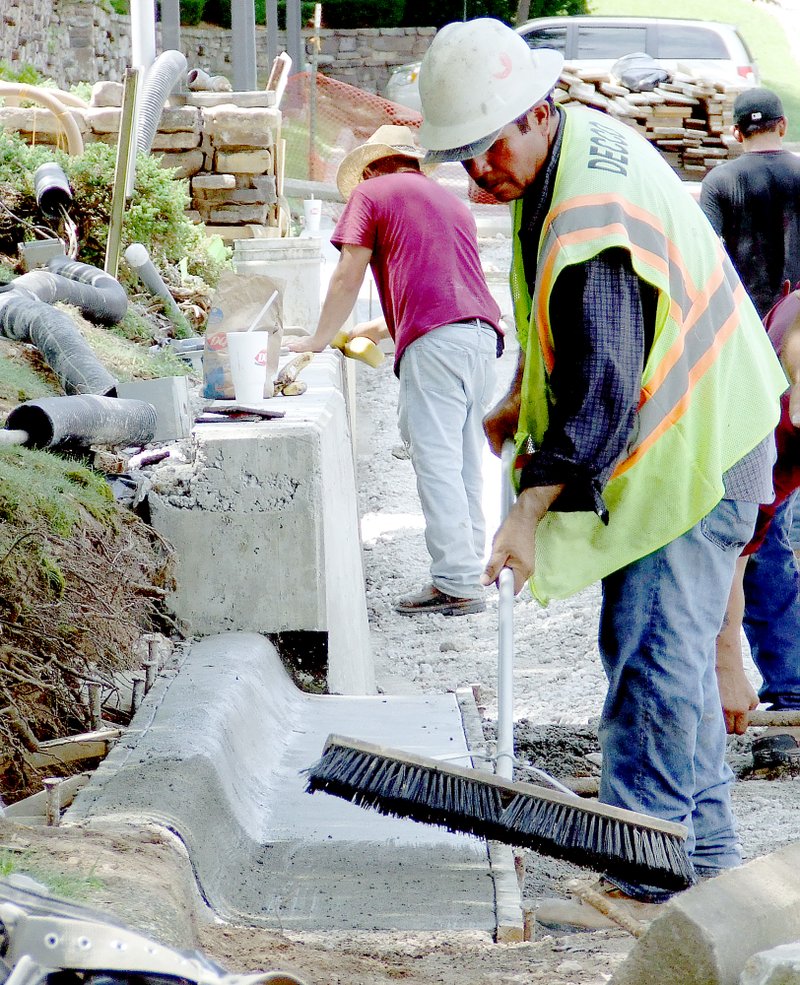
<point x="264" y="522"/>
<point x="215" y="755"/>
<point x="705" y="935"/>
<point x="508" y="903"/>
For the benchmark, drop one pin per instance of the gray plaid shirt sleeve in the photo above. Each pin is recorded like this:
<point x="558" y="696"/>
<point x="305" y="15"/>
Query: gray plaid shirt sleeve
<point x="599" y="337"/>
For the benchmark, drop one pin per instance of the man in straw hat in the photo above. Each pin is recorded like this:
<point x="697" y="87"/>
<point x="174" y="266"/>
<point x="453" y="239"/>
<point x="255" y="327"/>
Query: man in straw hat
<point x="642" y="412"/>
<point x="420" y="242"/>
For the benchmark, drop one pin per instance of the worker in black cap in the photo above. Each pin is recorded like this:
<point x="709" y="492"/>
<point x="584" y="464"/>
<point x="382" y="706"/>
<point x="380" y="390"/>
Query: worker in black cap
<point x="753" y="202"/>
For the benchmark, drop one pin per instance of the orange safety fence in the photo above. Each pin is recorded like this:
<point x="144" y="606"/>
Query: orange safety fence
<point x="324" y="123"/>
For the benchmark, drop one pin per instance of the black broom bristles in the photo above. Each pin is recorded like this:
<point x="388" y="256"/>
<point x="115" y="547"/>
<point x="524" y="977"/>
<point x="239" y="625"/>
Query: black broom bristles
<point x="632" y="846"/>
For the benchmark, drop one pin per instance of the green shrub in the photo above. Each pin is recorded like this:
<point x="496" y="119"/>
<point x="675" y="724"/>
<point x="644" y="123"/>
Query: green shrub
<point x="219" y="12"/>
<point x="436" y="13"/>
<point x="352" y="14"/>
<point x="192" y="11"/>
<point x="24" y="73"/>
<point x="306" y="13"/>
<point x="345" y="14"/>
<point x="155" y="216"/>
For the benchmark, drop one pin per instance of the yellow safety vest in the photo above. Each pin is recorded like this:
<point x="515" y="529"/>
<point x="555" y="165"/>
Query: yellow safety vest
<point x="710" y="388"/>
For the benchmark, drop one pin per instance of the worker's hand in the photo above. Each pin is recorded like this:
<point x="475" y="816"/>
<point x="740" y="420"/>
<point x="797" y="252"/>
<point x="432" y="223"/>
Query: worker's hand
<point x="514" y="546"/>
<point x="500" y="424"/>
<point x="303" y="343"/>
<point x="794" y="404"/>
<point x="375" y="330"/>
<point x="738" y="698"/>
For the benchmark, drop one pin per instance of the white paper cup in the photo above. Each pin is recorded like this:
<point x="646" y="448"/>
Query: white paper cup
<point x="312" y="209"/>
<point x="247" y="352"/>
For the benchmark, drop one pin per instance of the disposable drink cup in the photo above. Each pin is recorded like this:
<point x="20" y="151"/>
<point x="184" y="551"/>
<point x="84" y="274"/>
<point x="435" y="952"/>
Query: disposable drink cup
<point x="312" y="208"/>
<point x="247" y="352"/>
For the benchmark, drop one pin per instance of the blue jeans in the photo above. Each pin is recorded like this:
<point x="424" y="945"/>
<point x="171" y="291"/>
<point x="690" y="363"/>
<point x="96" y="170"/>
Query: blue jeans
<point x="661" y="732"/>
<point x="772" y="611"/>
<point x="447" y="380"/>
<point x="794" y="532"/>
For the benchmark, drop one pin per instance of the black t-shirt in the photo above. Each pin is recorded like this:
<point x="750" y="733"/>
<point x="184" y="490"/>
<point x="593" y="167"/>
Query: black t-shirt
<point x="753" y="203"/>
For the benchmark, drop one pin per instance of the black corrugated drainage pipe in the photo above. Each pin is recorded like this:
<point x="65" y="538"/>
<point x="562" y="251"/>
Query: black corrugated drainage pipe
<point x="162" y="77"/>
<point x="24" y="318"/>
<point x="86" y="419"/>
<point x="53" y="193"/>
<point x="98" y="295"/>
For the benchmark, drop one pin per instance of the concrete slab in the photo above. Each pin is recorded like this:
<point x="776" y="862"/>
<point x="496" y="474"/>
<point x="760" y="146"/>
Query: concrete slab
<point x="215" y="754"/>
<point x="706" y="935"/>
<point x="265" y="526"/>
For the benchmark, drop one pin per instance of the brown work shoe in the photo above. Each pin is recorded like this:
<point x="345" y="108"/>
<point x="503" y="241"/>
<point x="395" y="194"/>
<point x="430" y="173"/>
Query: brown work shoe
<point x="597" y="905"/>
<point x="430" y="599"/>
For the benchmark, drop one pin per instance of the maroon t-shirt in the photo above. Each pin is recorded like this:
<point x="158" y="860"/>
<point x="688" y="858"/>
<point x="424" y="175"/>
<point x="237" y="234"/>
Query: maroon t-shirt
<point x="424" y="254"/>
<point x="786" y="472"/>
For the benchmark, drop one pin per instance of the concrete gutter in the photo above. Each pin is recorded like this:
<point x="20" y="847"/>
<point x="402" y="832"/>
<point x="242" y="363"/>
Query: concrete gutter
<point x="214" y="754"/>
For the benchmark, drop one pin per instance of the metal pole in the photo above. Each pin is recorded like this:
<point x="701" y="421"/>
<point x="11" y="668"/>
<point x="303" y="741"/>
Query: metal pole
<point x="272" y="30"/>
<point x="294" y="48"/>
<point x="124" y="172"/>
<point x="505" y="675"/>
<point x="312" y="95"/>
<point x="243" y="38"/>
<point x="143" y="54"/>
<point x="170" y="25"/>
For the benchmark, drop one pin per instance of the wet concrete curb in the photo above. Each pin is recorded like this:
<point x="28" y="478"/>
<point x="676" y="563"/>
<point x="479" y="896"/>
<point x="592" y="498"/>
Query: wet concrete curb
<point x="214" y="755"/>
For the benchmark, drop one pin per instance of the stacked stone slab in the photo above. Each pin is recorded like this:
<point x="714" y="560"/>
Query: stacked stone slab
<point x="225" y="149"/>
<point x="688" y="119"/>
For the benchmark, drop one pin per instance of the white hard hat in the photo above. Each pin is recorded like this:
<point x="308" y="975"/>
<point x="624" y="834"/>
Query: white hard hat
<point x="476" y="77"/>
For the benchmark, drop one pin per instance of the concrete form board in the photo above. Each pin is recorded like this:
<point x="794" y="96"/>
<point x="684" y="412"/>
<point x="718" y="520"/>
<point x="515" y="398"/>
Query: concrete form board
<point x="215" y="754"/>
<point x="170" y="397"/>
<point x="266" y="531"/>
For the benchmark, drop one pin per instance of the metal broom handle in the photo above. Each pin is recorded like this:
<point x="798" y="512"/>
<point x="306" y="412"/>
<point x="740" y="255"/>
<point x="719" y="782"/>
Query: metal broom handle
<point x="504" y="754"/>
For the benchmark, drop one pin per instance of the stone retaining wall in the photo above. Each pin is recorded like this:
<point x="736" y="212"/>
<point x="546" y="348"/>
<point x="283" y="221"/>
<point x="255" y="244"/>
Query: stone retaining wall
<point x="226" y="151"/>
<point x="75" y="41"/>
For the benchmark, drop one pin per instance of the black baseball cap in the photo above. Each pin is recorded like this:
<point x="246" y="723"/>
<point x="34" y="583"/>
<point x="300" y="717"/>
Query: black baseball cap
<point x="756" y="106"/>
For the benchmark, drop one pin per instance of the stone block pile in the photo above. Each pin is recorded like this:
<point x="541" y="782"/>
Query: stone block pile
<point x="688" y="119"/>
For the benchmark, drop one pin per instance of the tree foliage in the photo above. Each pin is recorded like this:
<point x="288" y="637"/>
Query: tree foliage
<point x="354" y="14"/>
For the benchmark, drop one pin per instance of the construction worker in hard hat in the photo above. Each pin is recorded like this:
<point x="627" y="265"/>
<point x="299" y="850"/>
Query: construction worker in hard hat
<point x="421" y="243"/>
<point x="642" y="410"/>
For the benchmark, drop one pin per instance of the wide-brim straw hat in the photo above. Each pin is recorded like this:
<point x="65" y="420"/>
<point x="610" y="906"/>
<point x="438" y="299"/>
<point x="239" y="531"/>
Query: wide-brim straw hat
<point x="387" y="141"/>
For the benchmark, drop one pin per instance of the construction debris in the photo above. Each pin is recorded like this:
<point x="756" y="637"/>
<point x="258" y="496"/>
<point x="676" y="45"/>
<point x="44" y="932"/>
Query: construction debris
<point x="687" y="118"/>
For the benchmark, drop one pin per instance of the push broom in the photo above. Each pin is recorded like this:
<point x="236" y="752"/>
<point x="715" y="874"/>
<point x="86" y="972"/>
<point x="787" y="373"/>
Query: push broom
<point x="550" y="820"/>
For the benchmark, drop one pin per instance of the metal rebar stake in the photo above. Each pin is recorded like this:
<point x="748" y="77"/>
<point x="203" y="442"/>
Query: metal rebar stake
<point x="95" y="705"/>
<point x="150" y="667"/>
<point x="52" y="789"/>
<point x="137" y="693"/>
